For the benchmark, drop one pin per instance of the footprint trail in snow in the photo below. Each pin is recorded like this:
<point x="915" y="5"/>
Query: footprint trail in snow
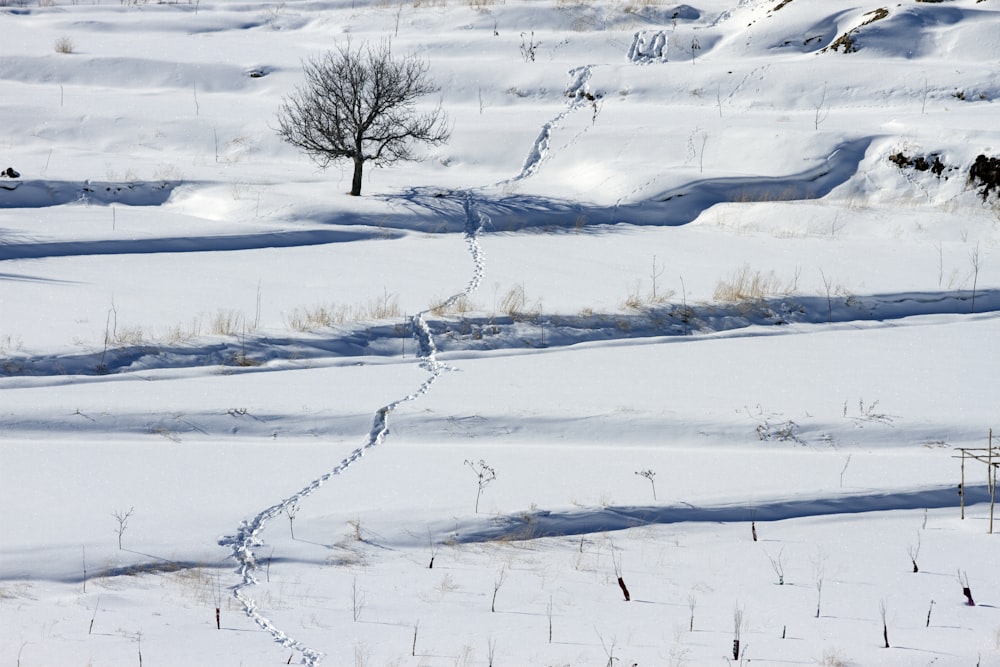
<point x="577" y="91"/>
<point x="249" y="534"/>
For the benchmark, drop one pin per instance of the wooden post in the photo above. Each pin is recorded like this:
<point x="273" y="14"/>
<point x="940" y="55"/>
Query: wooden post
<point x="993" y="494"/>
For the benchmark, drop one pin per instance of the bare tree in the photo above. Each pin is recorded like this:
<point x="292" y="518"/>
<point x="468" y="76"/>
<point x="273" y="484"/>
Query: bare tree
<point x="497" y="583"/>
<point x="122" y="517"/>
<point x="360" y="105"/>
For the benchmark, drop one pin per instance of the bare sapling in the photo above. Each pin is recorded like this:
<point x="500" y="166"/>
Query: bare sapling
<point x="828" y="285"/>
<point x="654" y="277"/>
<point x="217" y="596"/>
<point x="738" y="624"/>
<point x="819" y="571"/>
<point x="692" y="603"/>
<point x="609" y="648"/>
<point x="548" y="614"/>
<point x="847" y="461"/>
<point x="433" y="547"/>
<point x="291" y="509"/>
<point x="413" y="648"/>
<point x="497" y="584"/>
<point x="357" y="600"/>
<point x="914" y="551"/>
<point x="778" y="565"/>
<point x="882" y="610"/>
<point x="976" y="262"/>
<point x="963" y="579"/>
<point x="122" y="517"/>
<point x="822" y="110"/>
<point x="484" y="475"/>
<point x="617" y="561"/>
<point x="93" y="618"/>
<point x="929" y="610"/>
<point x="650" y="475"/>
<point x="491" y="650"/>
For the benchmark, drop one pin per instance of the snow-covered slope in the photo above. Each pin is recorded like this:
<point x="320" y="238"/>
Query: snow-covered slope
<point x="707" y="287"/>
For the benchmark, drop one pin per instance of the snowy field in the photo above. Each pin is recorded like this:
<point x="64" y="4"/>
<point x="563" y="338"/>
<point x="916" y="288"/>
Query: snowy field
<point x="698" y="299"/>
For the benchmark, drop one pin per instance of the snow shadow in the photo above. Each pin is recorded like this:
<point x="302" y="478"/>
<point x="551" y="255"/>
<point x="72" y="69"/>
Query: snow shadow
<point x="475" y="334"/>
<point x="441" y="211"/>
<point x="44" y="193"/>
<point x="178" y="244"/>
<point x="533" y="525"/>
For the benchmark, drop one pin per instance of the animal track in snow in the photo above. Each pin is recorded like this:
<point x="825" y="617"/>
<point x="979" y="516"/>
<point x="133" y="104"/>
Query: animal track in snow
<point x="579" y="96"/>
<point x="248" y="535"/>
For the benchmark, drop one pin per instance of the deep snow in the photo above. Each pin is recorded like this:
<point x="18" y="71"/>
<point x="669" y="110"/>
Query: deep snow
<point x="545" y="294"/>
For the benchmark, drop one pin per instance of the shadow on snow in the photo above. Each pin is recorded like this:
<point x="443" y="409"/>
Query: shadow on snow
<point x="533" y="525"/>
<point x="517" y="331"/>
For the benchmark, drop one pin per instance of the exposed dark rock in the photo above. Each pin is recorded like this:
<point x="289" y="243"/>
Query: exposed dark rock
<point x="985" y="172"/>
<point x="930" y="163"/>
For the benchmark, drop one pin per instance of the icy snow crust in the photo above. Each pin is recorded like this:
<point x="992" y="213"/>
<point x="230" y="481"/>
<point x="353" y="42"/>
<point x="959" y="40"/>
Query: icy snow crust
<point x="664" y="239"/>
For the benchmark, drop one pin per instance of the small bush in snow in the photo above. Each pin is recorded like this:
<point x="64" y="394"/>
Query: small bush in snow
<point x="64" y="45"/>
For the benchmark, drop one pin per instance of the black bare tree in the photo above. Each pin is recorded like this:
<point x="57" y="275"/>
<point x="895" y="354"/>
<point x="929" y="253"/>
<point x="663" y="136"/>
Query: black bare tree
<point x="360" y="105"/>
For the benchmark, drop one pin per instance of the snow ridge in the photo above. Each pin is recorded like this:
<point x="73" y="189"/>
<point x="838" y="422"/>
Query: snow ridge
<point x="248" y="535"/>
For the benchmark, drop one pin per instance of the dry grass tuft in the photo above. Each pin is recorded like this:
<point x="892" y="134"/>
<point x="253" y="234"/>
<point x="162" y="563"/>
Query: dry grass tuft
<point x="748" y="286"/>
<point x="322" y="316"/>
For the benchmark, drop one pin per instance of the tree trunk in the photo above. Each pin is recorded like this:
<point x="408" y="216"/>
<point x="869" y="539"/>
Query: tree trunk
<point x="359" y="164"/>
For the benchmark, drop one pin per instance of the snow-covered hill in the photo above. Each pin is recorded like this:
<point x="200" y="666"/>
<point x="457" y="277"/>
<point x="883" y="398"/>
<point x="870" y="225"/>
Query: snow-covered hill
<point x="710" y="288"/>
